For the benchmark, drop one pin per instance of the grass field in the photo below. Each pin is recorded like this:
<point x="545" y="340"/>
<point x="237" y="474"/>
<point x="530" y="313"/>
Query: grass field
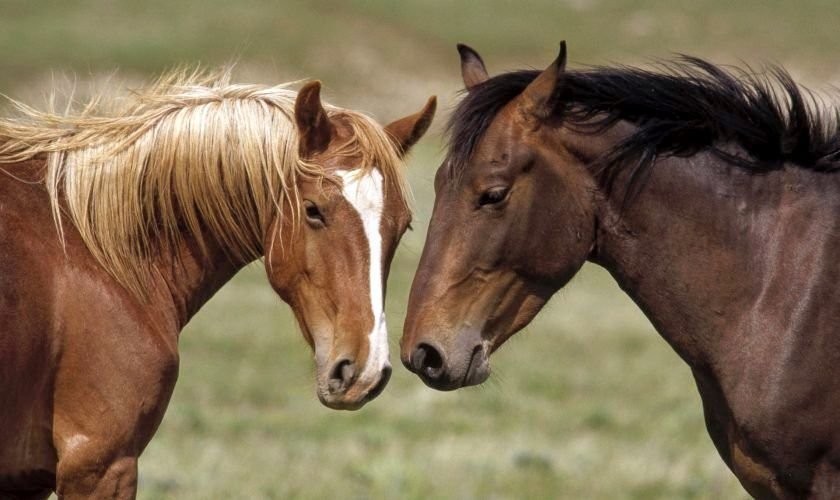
<point x="588" y="402"/>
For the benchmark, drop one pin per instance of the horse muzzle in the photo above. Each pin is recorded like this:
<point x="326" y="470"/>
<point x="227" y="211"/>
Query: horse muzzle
<point x="340" y="388"/>
<point x="448" y="371"/>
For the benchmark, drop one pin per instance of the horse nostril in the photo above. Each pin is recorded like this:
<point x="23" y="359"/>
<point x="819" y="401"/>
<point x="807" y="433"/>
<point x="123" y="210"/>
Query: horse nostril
<point x="427" y="361"/>
<point x="342" y="375"/>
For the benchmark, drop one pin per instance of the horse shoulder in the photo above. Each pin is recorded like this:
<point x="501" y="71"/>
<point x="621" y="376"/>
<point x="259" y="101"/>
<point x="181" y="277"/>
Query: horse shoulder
<point x="107" y="352"/>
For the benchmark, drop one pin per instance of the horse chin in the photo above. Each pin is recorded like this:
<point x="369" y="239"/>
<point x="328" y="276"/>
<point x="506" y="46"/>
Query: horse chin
<point x="349" y="401"/>
<point x="341" y="403"/>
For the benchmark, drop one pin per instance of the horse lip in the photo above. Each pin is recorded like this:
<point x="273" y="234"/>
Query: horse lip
<point x="377" y="389"/>
<point x="341" y="404"/>
<point x="469" y="374"/>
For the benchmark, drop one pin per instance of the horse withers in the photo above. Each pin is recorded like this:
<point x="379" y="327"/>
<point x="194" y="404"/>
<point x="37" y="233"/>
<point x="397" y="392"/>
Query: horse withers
<point x="116" y="229"/>
<point x="711" y="196"/>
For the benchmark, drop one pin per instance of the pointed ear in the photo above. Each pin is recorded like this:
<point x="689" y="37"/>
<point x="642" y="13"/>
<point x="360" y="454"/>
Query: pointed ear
<point x="314" y="128"/>
<point x="472" y="67"/>
<point x="539" y="97"/>
<point x="407" y="131"/>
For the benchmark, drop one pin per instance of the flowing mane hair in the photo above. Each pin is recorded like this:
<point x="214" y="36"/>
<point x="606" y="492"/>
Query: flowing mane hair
<point x="682" y="108"/>
<point x="191" y="152"/>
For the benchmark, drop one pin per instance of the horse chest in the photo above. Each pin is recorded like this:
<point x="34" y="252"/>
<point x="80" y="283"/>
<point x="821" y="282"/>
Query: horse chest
<point x="758" y="479"/>
<point x="774" y="451"/>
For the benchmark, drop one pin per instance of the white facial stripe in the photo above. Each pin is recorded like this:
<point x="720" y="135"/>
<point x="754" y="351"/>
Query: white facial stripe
<point x="365" y="193"/>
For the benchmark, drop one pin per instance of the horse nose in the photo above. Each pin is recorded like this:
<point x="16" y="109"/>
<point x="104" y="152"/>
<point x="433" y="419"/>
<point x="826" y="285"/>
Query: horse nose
<point x="427" y="361"/>
<point x="342" y="376"/>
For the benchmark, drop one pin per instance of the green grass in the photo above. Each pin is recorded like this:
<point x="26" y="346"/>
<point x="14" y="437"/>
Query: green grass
<point x="588" y="402"/>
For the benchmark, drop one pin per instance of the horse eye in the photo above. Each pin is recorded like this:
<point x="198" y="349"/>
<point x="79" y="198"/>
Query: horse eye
<point x="313" y="214"/>
<point x="493" y="196"/>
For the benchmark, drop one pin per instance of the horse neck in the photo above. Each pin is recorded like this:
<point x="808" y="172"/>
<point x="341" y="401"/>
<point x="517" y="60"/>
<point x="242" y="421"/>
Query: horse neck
<point x="689" y="248"/>
<point x="191" y="276"/>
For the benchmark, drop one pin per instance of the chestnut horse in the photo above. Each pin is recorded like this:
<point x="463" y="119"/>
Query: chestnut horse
<point x="117" y="228"/>
<point x="712" y="198"/>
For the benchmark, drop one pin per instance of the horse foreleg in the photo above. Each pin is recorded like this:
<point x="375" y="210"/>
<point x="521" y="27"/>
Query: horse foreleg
<point x="84" y="474"/>
<point x="98" y="439"/>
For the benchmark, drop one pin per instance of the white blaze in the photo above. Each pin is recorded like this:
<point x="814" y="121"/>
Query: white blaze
<point x="365" y="193"/>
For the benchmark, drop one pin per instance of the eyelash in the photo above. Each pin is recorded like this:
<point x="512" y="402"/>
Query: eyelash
<point x="314" y="214"/>
<point x="493" y="196"/>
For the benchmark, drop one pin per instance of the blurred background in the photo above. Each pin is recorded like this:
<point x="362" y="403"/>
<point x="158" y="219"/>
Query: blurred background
<point x="587" y="402"/>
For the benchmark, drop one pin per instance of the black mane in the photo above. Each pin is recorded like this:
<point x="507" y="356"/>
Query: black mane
<point x="688" y="106"/>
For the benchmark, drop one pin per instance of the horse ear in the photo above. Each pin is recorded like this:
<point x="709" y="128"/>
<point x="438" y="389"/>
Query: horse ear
<point x="314" y="128"/>
<point x="472" y="66"/>
<point x="539" y="96"/>
<point x="407" y="131"/>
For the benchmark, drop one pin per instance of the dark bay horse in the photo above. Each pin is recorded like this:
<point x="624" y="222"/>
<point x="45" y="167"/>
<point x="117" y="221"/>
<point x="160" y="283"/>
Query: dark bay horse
<point x="116" y="228"/>
<point x="711" y="196"/>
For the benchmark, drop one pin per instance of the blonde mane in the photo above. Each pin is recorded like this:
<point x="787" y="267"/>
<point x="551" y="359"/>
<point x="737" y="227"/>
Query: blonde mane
<point x="193" y="153"/>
